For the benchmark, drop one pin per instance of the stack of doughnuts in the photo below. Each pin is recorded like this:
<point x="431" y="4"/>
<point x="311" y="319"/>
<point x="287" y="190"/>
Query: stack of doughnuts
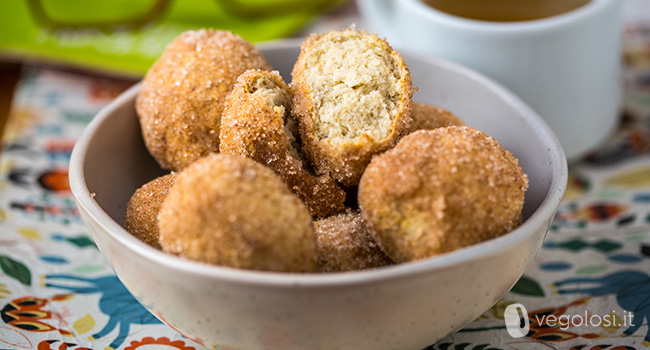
<point x="337" y="171"/>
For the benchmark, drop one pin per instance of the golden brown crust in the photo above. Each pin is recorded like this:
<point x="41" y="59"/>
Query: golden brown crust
<point x="345" y="244"/>
<point x="440" y="190"/>
<point x="345" y="161"/>
<point x="182" y="96"/>
<point x="232" y="211"/>
<point x="141" y="218"/>
<point x="428" y="117"/>
<point x="255" y="125"/>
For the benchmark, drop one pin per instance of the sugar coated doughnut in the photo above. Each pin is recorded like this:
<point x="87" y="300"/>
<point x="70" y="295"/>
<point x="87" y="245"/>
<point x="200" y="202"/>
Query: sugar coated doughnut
<point x="440" y="190"/>
<point x="232" y="211"/>
<point x="182" y="96"/>
<point x="345" y="244"/>
<point x="141" y="218"/>
<point x="428" y="117"/>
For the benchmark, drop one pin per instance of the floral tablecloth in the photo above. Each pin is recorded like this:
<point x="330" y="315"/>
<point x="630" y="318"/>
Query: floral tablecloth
<point x="588" y="288"/>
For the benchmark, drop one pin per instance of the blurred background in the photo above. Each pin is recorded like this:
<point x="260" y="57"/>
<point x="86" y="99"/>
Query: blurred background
<point x="122" y="38"/>
<point x="126" y="36"/>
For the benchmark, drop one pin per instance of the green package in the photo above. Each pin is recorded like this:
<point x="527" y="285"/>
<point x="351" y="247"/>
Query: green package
<point x="126" y="36"/>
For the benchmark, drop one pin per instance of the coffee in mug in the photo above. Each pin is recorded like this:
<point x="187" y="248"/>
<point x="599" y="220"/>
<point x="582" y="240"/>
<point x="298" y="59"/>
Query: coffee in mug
<point x="505" y="10"/>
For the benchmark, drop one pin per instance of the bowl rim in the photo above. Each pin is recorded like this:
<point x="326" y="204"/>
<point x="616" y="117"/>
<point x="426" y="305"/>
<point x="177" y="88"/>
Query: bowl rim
<point x="475" y="252"/>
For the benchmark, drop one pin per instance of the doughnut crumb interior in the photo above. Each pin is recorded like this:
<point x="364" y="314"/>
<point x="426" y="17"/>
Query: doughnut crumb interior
<point x="352" y="99"/>
<point x="357" y="85"/>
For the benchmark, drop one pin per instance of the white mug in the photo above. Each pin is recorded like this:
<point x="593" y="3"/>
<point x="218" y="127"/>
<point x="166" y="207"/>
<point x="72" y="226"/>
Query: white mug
<point x="566" y="67"/>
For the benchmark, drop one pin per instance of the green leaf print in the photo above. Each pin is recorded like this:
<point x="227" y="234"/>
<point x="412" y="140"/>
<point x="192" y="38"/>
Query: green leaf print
<point x="591" y="270"/>
<point x="16" y="270"/>
<point x="529" y="287"/>
<point x="81" y="241"/>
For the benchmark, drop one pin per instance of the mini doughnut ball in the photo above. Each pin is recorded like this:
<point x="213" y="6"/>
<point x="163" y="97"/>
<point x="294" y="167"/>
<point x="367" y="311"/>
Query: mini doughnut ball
<point x="182" y="96"/>
<point x="440" y="190"/>
<point x="428" y="117"/>
<point x="141" y="218"/>
<point x="345" y="244"/>
<point x="232" y="211"/>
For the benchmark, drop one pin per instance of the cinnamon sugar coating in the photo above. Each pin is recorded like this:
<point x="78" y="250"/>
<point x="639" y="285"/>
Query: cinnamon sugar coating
<point x="335" y="138"/>
<point x="345" y="244"/>
<point x="440" y="190"/>
<point x="232" y="211"/>
<point x="352" y="99"/>
<point x="428" y="117"/>
<point x="256" y="123"/>
<point x="141" y="218"/>
<point x="182" y="96"/>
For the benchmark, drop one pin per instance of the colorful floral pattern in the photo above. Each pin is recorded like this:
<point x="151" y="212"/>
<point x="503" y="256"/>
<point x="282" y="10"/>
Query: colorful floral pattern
<point x="56" y="290"/>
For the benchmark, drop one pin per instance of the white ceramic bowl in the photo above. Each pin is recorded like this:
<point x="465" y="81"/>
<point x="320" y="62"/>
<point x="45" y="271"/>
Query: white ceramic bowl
<point x="406" y="306"/>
